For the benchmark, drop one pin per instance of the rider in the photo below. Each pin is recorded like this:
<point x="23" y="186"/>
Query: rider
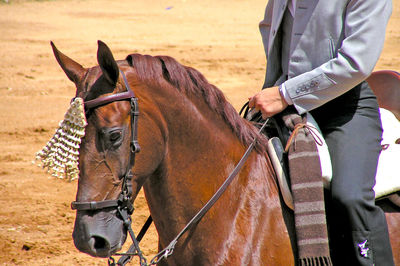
<point x="318" y="55"/>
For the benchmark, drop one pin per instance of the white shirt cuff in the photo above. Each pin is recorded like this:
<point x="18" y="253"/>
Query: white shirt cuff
<point x="285" y="94"/>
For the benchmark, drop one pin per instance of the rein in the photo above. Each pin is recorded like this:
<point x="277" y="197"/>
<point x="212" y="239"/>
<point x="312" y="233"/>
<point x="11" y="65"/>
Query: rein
<point x="124" y="202"/>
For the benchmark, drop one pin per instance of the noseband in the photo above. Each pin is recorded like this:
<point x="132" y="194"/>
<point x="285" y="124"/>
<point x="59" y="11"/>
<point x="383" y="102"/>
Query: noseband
<point x="123" y="203"/>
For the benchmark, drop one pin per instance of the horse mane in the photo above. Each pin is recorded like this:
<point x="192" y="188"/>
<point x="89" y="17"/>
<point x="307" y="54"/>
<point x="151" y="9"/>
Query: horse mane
<point x="156" y="69"/>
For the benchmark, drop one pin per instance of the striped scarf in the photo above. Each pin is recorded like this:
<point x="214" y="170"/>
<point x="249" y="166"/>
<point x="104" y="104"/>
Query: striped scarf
<point x="308" y="194"/>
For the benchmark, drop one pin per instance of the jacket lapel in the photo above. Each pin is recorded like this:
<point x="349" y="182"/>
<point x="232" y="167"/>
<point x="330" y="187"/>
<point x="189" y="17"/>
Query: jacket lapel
<point x="277" y="15"/>
<point x="304" y="10"/>
<point x="303" y="15"/>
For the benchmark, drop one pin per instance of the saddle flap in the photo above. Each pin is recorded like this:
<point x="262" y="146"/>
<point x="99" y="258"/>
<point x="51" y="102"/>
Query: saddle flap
<point x="279" y="162"/>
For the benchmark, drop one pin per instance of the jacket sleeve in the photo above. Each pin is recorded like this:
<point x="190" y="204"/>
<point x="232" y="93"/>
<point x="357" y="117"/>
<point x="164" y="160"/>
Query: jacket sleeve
<point x="364" y="34"/>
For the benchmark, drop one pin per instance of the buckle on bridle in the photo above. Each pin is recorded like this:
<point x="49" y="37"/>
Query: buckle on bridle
<point x="135" y="147"/>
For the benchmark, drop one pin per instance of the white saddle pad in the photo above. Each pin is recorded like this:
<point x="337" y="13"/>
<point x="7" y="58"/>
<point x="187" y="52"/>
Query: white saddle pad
<point x="388" y="172"/>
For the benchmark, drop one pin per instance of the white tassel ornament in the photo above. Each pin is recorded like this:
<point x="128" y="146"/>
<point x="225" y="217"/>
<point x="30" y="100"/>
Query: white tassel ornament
<point x="61" y="154"/>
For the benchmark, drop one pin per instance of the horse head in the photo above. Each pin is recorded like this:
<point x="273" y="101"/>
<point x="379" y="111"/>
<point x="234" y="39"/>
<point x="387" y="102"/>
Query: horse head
<point x="106" y="151"/>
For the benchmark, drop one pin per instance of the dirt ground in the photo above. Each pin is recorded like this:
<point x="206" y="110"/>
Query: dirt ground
<point x="219" y="38"/>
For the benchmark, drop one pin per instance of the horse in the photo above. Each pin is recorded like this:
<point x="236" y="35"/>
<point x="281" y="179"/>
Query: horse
<point x="190" y="139"/>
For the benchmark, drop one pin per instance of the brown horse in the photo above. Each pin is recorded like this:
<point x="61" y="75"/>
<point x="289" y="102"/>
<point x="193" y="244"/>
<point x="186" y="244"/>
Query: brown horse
<point x="191" y="138"/>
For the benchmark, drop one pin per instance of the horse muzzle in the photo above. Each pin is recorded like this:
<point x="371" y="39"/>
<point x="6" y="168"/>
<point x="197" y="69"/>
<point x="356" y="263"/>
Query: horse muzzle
<point x="99" y="233"/>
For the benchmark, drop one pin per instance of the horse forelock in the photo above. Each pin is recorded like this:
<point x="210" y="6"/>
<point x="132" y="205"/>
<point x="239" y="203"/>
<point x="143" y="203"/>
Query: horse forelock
<point x="156" y="69"/>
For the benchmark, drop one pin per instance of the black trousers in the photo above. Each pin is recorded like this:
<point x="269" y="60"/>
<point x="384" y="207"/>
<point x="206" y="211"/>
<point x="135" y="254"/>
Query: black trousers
<point x="352" y="129"/>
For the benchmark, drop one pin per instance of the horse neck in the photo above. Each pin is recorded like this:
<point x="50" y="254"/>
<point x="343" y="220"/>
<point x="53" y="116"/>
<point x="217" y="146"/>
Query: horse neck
<point x="201" y="151"/>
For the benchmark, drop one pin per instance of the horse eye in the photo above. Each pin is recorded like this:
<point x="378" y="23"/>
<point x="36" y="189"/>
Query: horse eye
<point x="115" y="136"/>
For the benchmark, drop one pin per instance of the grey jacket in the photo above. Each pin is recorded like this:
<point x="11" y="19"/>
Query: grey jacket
<point x="335" y="45"/>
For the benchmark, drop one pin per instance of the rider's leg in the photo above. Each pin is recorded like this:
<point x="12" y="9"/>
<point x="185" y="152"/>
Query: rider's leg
<point x="352" y="129"/>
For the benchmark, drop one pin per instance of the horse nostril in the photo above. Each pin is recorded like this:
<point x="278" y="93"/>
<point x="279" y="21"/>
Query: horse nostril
<point x="100" y="244"/>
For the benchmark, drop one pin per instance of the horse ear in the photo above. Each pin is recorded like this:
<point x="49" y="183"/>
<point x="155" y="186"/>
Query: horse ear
<point x="72" y="69"/>
<point x="107" y="63"/>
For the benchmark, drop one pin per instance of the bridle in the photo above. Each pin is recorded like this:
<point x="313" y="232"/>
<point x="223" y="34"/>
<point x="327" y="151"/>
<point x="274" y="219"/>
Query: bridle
<point x="123" y="203"/>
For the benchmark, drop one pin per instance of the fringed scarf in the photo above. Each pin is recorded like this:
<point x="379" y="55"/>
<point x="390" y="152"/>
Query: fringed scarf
<point x="308" y="194"/>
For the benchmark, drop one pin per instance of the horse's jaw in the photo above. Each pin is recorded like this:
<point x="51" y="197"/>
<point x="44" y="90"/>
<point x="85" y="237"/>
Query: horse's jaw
<point x="99" y="234"/>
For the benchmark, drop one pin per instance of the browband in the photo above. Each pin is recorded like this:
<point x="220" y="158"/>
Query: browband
<point x="112" y="98"/>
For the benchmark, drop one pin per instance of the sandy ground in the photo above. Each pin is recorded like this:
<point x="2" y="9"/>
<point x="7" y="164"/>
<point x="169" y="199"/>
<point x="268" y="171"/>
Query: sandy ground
<point x="219" y="38"/>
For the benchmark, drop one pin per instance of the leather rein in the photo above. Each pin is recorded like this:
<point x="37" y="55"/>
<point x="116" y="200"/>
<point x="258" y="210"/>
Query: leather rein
<point x="124" y="202"/>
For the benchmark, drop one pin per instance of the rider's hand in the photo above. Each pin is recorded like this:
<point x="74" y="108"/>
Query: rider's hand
<point x="269" y="101"/>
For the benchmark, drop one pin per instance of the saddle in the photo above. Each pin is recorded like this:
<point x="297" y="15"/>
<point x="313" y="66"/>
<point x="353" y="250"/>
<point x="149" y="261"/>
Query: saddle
<point x="387" y="181"/>
<point x="306" y="183"/>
